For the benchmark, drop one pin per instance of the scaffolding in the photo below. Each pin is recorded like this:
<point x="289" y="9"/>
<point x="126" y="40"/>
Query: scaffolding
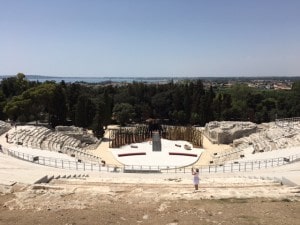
<point x="288" y="122"/>
<point x="125" y="136"/>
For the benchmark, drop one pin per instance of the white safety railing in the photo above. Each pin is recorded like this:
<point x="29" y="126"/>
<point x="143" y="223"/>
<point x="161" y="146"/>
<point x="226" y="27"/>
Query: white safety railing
<point x="101" y="166"/>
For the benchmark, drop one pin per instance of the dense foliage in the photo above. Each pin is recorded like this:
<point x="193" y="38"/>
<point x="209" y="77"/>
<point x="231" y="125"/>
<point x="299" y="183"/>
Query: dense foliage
<point x="96" y="106"/>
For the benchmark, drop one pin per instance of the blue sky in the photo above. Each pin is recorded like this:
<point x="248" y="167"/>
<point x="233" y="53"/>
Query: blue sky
<point x="150" y="37"/>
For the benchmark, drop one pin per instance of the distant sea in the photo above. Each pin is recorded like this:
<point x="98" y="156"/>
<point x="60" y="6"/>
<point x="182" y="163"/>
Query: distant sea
<point x="99" y="80"/>
<point x="160" y="80"/>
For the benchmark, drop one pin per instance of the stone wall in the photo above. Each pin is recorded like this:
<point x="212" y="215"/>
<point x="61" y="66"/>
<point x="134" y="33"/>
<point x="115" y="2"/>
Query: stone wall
<point x="225" y="132"/>
<point x="78" y="133"/>
<point x="4" y="127"/>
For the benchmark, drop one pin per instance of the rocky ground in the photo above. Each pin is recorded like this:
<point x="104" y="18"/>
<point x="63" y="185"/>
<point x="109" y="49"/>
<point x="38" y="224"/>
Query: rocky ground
<point x="75" y="202"/>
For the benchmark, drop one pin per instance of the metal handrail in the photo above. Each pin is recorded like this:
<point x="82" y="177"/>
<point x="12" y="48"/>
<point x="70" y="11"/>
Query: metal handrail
<point x="98" y="166"/>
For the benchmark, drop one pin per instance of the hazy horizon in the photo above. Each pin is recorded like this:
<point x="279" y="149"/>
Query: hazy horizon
<point x="154" y="76"/>
<point x="158" y="38"/>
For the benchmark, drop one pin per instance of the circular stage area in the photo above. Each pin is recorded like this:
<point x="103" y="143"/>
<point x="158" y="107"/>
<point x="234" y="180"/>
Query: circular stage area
<point x="172" y="154"/>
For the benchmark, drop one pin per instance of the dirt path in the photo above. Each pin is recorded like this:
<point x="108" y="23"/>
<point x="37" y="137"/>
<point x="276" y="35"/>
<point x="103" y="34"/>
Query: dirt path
<point x="226" y="211"/>
<point x="77" y="203"/>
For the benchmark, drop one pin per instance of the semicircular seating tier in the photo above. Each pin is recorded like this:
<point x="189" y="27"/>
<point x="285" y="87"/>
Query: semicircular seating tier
<point x="45" y="139"/>
<point x="268" y="137"/>
<point x="4" y="127"/>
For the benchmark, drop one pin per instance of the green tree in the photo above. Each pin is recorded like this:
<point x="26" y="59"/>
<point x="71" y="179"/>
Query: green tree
<point x="31" y="103"/>
<point x="295" y="99"/>
<point x="97" y="125"/>
<point x="195" y="119"/>
<point x="73" y="91"/>
<point x="106" y="108"/>
<point x="161" y="103"/>
<point x="239" y="94"/>
<point x="18" y="107"/>
<point x="3" y="116"/>
<point x="123" y="113"/>
<point x="179" y="117"/>
<point x="187" y="102"/>
<point x="58" y="107"/>
<point x="85" y="111"/>
<point x="15" y="85"/>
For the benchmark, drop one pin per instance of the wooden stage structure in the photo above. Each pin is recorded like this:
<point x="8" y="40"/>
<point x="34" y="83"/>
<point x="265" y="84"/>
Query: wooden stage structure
<point x="141" y="133"/>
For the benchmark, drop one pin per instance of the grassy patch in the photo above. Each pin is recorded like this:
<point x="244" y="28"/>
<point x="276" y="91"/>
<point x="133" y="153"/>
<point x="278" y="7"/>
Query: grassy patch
<point x="234" y="200"/>
<point x="247" y="218"/>
<point x="286" y="200"/>
<point x="282" y="200"/>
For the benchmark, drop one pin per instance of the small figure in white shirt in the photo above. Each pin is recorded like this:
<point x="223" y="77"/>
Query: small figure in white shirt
<point x="195" y="173"/>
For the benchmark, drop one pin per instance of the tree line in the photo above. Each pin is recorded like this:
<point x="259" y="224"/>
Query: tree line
<point x="183" y="103"/>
